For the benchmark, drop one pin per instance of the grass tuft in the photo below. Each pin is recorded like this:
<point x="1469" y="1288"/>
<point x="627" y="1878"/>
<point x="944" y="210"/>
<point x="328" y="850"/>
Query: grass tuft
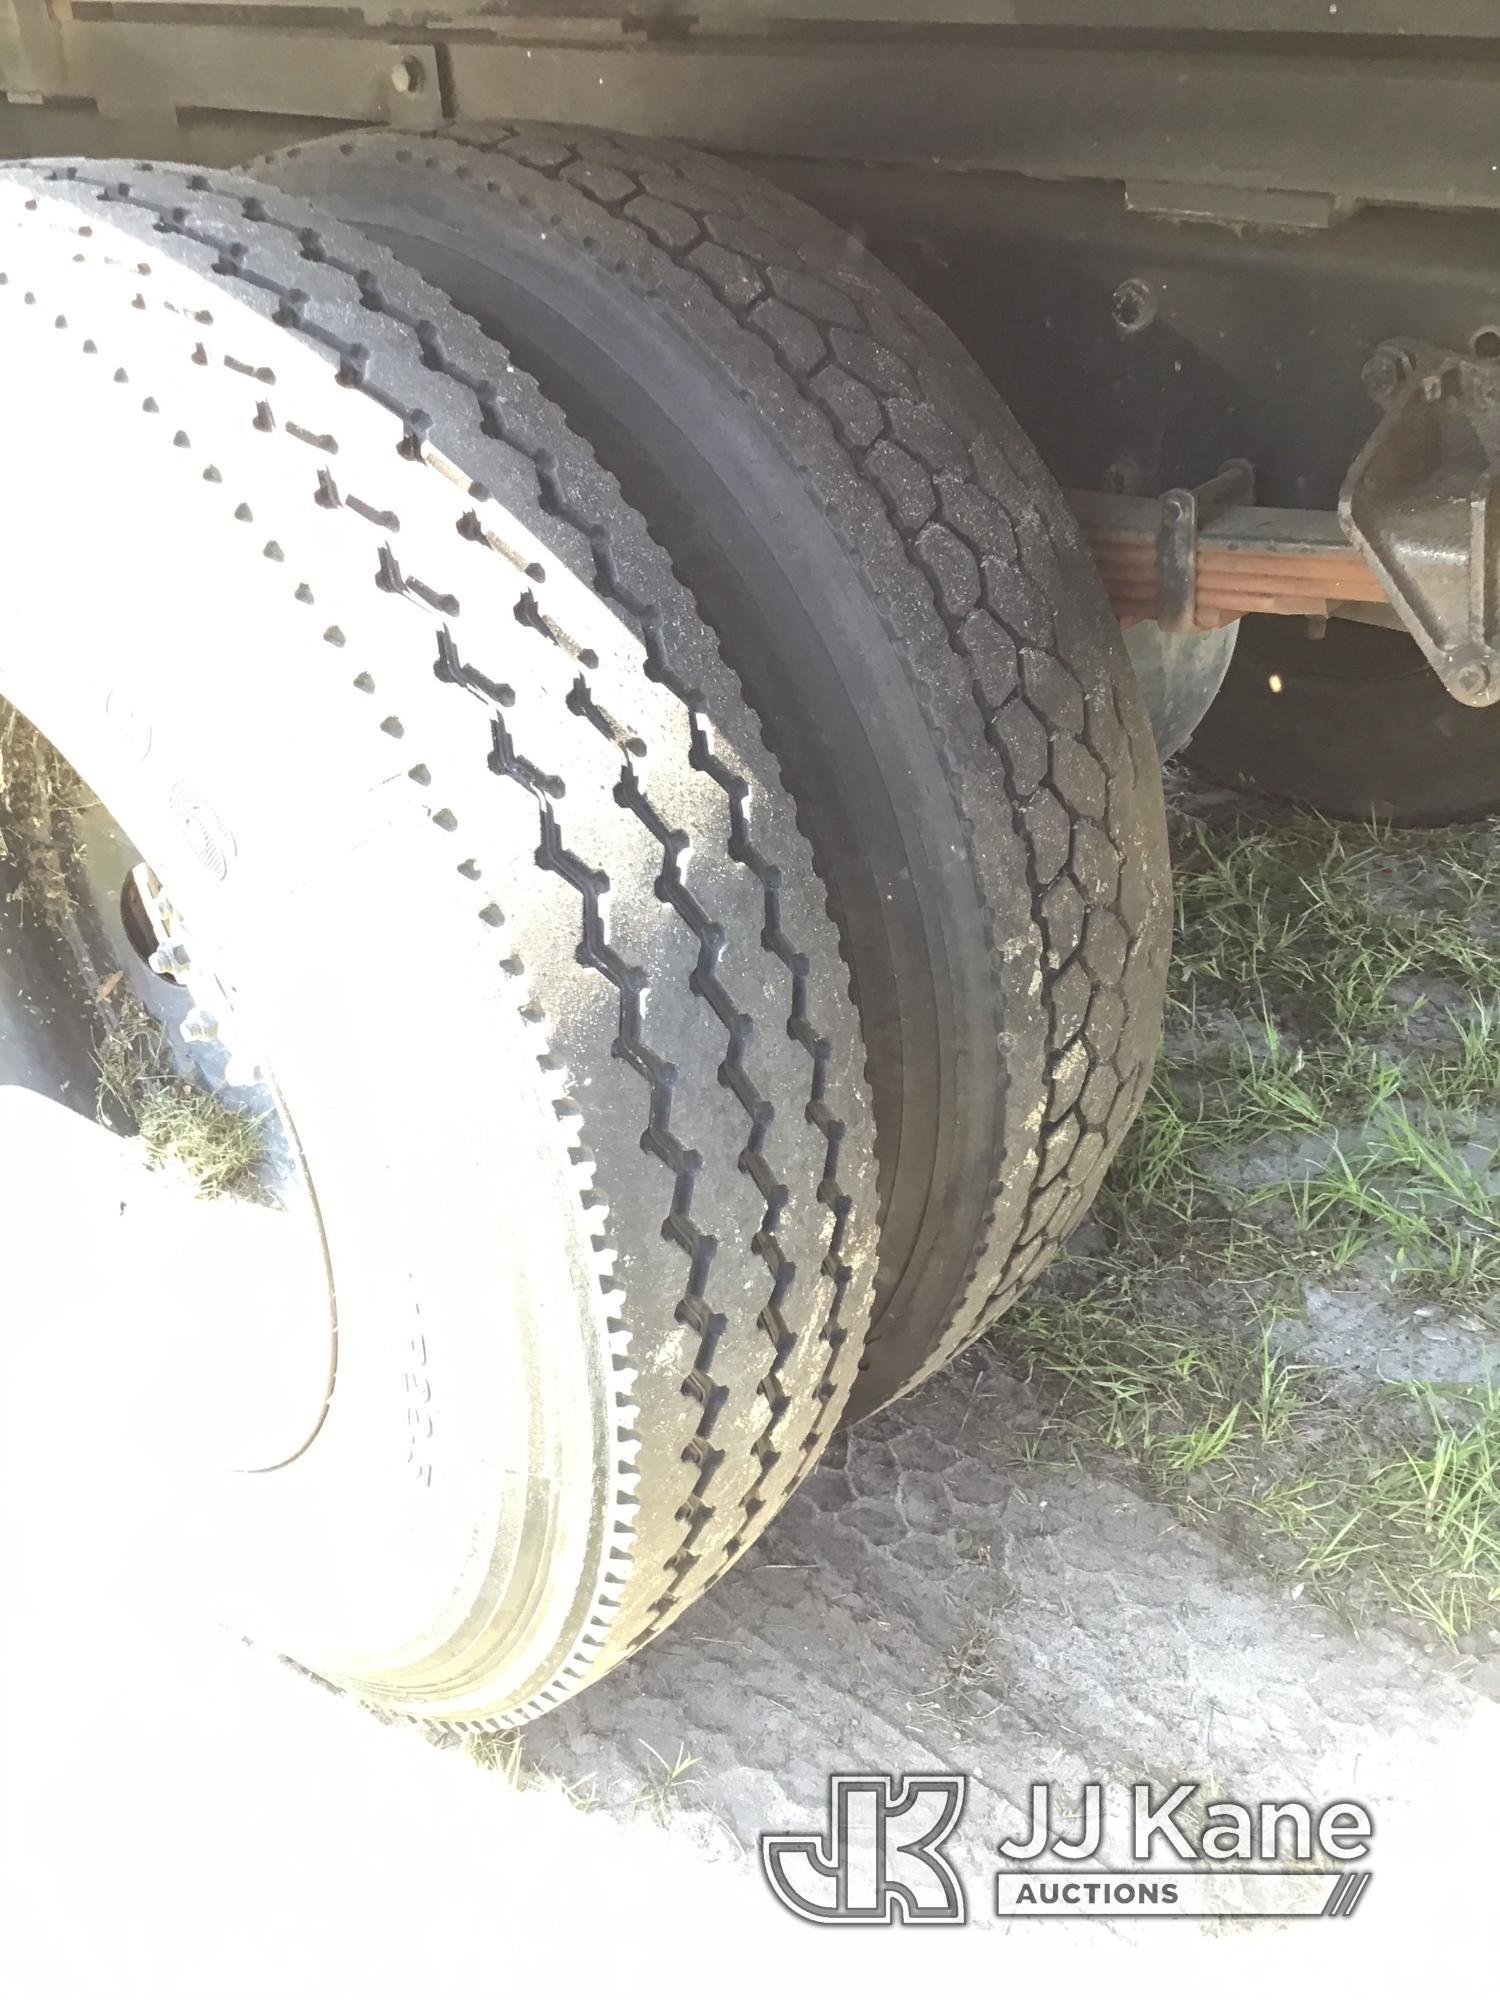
<point x="498" y="1750"/>
<point x="181" y="1125"/>
<point x="671" y="1777"/>
<point x="1177" y="1396"/>
<point x="1422" y="1520"/>
<point x="1334" y="921"/>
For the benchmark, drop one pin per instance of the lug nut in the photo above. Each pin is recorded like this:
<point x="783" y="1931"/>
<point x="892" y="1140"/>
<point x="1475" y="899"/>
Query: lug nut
<point x="198" y="1026"/>
<point x="1385" y="371"/>
<point x="170" y="960"/>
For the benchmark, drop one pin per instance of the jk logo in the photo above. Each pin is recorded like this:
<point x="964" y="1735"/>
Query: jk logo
<point x="881" y="1857"/>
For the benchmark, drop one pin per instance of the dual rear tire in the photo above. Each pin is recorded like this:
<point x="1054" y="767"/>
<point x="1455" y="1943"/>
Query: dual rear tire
<point x="703" y="792"/>
<point x="909" y="609"/>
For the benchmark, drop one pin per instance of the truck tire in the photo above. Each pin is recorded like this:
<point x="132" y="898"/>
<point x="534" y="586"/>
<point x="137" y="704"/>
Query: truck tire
<point x="912" y="612"/>
<point x="401" y="700"/>
<point x="1356" y="725"/>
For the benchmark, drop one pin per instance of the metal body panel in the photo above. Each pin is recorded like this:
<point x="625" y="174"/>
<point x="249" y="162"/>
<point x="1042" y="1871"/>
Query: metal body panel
<point x="1375" y="101"/>
<point x="128" y="66"/>
<point x="1379" y="130"/>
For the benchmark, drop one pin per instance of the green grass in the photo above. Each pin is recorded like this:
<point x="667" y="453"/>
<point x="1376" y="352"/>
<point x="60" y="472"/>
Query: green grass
<point x="181" y="1125"/>
<point x="1176" y="1395"/>
<point x="1420" y="1520"/>
<point x="503" y="1752"/>
<point x="1328" y="1109"/>
<point x="1466" y="1078"/>
<point x="1332" y="920"/>
<point x="668" y="1779"/>
<point x="1403" y="1188"/>
<point x="499" y="1750"/>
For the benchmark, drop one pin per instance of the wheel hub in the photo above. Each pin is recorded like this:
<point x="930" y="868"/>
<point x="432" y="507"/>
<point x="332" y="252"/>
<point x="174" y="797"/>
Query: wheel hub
<point x="174" y="1058"/>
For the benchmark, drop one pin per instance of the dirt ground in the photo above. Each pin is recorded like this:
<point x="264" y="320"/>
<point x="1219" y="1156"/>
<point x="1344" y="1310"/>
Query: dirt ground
<point x="1118" y="1644"/>
<point x="1192" y="1553"/>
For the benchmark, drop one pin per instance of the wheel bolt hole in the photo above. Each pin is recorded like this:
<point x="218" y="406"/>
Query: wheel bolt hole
<point x="1133" y="305"/>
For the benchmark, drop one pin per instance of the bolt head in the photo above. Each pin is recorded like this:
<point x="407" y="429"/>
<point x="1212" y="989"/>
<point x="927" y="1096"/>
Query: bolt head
<point x="169" y="960"/>
<point x="198" y="1026"/>
<point x="1383" y="373"/>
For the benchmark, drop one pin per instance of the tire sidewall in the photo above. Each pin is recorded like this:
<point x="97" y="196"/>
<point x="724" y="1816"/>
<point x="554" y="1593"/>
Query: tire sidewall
<point x="459" y="1467"/>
